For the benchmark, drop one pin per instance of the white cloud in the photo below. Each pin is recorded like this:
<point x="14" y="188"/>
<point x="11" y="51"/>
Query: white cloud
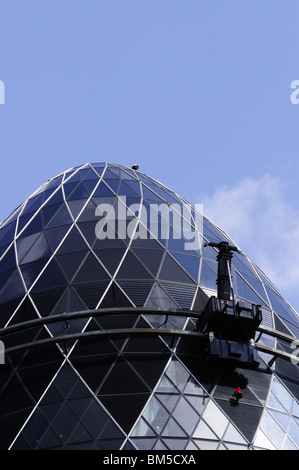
<point x="256" y="215"/>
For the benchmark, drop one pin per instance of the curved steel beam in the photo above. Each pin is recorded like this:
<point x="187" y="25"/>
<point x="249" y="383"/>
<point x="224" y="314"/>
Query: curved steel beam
<point x="94" y="313"/>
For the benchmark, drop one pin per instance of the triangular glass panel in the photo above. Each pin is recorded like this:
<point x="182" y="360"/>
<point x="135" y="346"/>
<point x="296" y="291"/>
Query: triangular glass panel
<point x="129" y="188"/>
<point x="51" y="277"/>
<point x="79" y="193"/>
<point x="210" y="232"/>
<point x="282" y="418"/>
<point x="172" y="429"/>
<point x="89" y="213"/>
<point x="102" y="191"/>
<point x="91" y="292"/>
<point x="123" y="379"/>
<point x="177" y="243"/>
<point x="131" y="268"/>
<point x="69" y="188"/>
<point x="70" y="262"/>
<point x="170" y="196"/>
<point x="159" y="298"/>
<point x="75" y="177"/>
<point x="54" y="182"/>
<point x="66" y="380"/>
<point x="244" y="291"/>
<point x="175" y="443"/>
<point x="39" y="250"/>
<point x="91" y="270"/>
<point x="25" y="312"/>
<point x="142" y="429"/>
<point x="62" y="217"/>
<point x="95" y="418"/>
<point x="137" y="295"/>
<point x="47" y="194"/>
<point x="8" y="261"/>
<point x="6" y="311"/>
<point x="189" y="263"/>
<point x="80" y="434"/>
<point x="279" y="307"/>
<point x="207" y="276"/>
<point x="208" y="445"/>
<point x="156" y="415"/>
<point x="203" y="431"/>
<point x="46" y="301"/>
<point x="115" y="298"/>
<point x="84" y="172"/>
<point x="31" y="271"/>
<point x="150" y="258"/>
<point x="7" y="235"/>
<point x="166" y="386"/>
<point x="160" y="445"/>
<point x="13" y="287"/>
<point x="112" y="172"/>
<point x="186" y="415"/>
<point x="150" y="196"/>
<point x="35" y="428"/>
<point x="90" y="185"/>
<point x="178" y="374"/>
<point x="131" y="211"/>
<point x="56" y="198"/>
<point x="88" y="231"/>
<point x="110" y="257"/>
<point x="98" y="167"/>
<point x="169" y="400"/>
<point x="256" y="285"/>
<point x="89" y="176"/>
<point x="33" y="204"/>
<point x="156" y="364"/>
<point x="127" y="174"/>
<point x="112" y="184"/>
<point x="68" y="302"/>
<point x="64" y="422"/>
<point x="49" y="440"/>
<point x="233" y="435"/>
<point x="171" y="271"/>
<point x="208" y="252"/>
<point x="76" y="206"/>
<point x="35" y="225"/>
<point x="73" y="242"/>
<point x="55" y="236"/>
<point x="125" y="409"/>
<point x="24" y="245"/>
<point x="48" y="212"/>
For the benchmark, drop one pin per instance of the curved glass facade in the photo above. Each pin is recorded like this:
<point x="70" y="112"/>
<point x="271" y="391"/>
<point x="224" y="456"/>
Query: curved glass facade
<point x="67" y="383"/>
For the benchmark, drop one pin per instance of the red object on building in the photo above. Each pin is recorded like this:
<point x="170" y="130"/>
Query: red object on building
<point x="238" y="393"/>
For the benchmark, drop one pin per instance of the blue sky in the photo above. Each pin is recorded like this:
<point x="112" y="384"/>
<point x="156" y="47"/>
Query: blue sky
<point x="197" y="93"/>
